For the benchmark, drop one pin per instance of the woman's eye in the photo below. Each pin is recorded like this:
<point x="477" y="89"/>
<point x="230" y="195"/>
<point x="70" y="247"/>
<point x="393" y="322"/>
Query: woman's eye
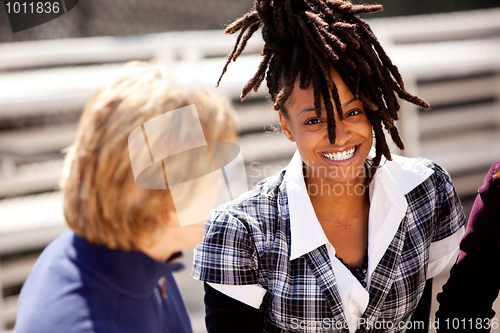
<point x="313" y="121"/>
<point x="352" y="113"/>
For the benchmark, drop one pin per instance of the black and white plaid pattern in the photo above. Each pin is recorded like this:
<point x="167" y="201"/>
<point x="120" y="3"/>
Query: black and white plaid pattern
<point x="248" y="241"/>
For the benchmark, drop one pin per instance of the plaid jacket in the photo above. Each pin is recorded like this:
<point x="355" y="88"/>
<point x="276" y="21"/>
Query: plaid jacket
<point x="248" y="241"/>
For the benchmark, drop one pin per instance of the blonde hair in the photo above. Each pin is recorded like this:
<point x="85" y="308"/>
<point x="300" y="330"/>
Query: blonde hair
<point x="102" y="202"/>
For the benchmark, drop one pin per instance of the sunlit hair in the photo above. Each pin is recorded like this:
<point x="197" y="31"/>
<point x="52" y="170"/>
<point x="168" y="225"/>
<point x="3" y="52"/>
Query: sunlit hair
<point x="102" y="203"/>
<point x="496" y="175"/>
<point x="303" y="38"/>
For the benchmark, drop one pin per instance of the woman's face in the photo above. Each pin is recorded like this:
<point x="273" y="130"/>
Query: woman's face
<point x="341" y="161"/>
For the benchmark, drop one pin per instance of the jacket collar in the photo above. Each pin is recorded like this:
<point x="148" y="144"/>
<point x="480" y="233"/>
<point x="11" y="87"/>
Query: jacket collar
<point x="132" y="273"/>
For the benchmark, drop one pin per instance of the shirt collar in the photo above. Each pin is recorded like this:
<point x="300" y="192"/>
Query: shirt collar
<point x="388" y="205"/>
<point x="306" y="232"/>
<point x="401" y="175"/>
<point x="392" y="181"/>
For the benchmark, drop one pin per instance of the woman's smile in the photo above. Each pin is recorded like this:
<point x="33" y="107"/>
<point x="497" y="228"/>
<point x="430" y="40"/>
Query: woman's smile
<point x="341" y="155"/>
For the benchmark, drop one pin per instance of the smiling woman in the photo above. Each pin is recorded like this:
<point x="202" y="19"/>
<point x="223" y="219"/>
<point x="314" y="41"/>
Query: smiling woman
<point x="338" y="166"/>
<point x="346" y="238"/>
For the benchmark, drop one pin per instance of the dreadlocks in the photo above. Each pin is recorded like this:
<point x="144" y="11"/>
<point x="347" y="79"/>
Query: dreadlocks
<point x="303" y="38"/>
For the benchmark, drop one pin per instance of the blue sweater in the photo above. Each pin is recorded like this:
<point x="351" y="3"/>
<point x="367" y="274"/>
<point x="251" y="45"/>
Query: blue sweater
<point x="76" y="286"/>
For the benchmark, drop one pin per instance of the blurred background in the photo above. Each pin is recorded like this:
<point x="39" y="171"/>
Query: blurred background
<point x="447" y="51"/>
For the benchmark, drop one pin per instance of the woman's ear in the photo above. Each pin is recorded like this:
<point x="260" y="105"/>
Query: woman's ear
<point x="286" y="128"/>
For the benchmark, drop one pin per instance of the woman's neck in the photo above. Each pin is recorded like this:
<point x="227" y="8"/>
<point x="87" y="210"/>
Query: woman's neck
<point x="344" y="218"/>
<point x="342" y="204"/>
<point x="351" y="193"/>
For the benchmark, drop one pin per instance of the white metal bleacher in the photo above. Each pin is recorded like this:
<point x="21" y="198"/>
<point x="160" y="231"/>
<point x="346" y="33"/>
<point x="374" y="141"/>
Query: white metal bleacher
<point x="452" y="60"/>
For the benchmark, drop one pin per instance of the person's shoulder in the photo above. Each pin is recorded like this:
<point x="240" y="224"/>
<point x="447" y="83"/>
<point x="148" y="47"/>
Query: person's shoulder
<point x="60" y="241"/>
<point x="57" y="273"/>
<point x="494" y="170"/>
<point x="415" y="162"/>
<point x="55" y="254"/>
<point x="255" y="212"/>
<point x="420" y="166"/>
<point x="495" y="166"/>
<point x="491" y="180"/>
<point x="406" y="174"/>
<point x="54" y="265"/>
<point x="48" y="302"/>
<point x="265" y="193"/>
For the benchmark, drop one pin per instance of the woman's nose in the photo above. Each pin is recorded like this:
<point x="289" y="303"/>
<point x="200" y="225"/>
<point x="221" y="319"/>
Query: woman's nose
<point x="342" y="133"/>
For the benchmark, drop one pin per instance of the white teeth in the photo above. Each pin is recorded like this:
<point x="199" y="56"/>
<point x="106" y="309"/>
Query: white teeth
<point x="340" y="156"/>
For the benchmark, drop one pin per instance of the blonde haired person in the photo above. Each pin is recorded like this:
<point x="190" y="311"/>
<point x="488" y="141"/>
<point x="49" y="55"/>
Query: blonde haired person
<point x="112" y="272"/>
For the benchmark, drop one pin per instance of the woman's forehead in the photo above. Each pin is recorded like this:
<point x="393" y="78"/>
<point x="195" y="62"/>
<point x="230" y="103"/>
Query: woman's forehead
<point x="302" y="97"/>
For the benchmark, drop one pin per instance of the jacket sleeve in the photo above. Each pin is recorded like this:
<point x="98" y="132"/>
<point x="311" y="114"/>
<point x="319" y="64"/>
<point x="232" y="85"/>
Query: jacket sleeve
<point x="448" y="227"/>
<point x="227" y="254"/>
<point x="227" y="315"/>
<point x="474" y="280"/>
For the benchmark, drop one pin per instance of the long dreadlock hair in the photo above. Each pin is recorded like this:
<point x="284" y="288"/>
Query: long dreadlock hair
<point x="303" y="38"/>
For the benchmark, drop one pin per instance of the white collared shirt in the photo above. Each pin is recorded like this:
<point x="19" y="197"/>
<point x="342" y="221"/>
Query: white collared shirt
<point x="388" y="205"/>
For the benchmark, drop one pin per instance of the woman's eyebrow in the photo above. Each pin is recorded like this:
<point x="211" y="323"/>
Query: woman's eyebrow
<point x="307" y="108"/>
<point x="311" y="108"/>
<point x="349" y="102"/>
